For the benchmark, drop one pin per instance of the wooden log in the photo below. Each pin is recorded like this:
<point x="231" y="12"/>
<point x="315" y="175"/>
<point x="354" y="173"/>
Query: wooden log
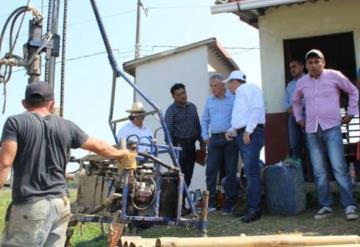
<point x="135" y="241"/>
<point x="256" y="241"/>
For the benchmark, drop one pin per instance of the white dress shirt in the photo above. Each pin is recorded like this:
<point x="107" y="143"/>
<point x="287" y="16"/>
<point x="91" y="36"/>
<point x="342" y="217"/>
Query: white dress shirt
<point x="131" y="129"/>
<point x="249" y="107"/>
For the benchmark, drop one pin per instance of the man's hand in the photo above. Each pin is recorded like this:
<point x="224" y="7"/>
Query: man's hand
<point x="290" y="110"/>
<point x="246" y="138"/>
<point x="203" y="145"/>
<point x="346" y="119"/>
<point x="206" y="141"/>
<point x="301" y="123"/>
<point x="228" y="136"/>
<point x="127" y="160"/>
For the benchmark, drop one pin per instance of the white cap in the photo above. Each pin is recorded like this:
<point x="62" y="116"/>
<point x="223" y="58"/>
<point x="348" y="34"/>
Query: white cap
<point x="316" y="52"/>
<point x="236" y="75"/>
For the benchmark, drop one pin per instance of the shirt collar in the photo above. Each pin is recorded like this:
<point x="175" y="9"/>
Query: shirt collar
<point x="226" y="95"/>
<point x="181" y="106"/>
<point x="135" y="126"/>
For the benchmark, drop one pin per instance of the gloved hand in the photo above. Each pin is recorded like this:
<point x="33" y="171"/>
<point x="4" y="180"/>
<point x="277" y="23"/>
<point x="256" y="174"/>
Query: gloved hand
<point x="127" y="160"/>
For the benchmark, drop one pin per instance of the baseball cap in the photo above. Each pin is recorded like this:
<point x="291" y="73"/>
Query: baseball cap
<point x="315" y="52"/>
<point x="39" y="92"/>
<point x="236" y="75"/>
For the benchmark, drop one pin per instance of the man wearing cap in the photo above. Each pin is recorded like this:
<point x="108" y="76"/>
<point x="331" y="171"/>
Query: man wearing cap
<point x="135" y="130"/>
<point x="183" y="122"/>
<point x="216" y="119"/>
<point x="247" y="123"/>
<point x="37" y="145"/>
<point x="320" y="89"/>
<point x="295" y="131"/>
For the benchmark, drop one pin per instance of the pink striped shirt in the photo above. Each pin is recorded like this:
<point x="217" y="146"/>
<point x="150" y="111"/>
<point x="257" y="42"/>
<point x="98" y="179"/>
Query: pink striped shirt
<point x="322" y="99"/>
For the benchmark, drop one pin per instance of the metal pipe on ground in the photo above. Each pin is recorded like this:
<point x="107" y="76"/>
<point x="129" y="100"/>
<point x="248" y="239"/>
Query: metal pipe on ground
<point x="255" y="241"/>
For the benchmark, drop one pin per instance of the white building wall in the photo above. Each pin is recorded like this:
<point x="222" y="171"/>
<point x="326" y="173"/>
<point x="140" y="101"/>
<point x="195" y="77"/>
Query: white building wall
<point x="156" y="78"/>
<point x="299" y="21"/>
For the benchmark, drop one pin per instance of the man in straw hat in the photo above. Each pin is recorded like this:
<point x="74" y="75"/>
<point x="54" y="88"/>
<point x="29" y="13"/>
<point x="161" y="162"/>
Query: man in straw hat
<point x="135" y="128"/>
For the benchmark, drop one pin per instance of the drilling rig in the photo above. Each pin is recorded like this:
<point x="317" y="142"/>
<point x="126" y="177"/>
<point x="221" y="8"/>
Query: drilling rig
<point x="155" y="192"/>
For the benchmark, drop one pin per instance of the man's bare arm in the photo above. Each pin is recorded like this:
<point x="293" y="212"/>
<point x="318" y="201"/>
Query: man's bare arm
<point x="7" y="155"/>
<point x="127" y="160"/>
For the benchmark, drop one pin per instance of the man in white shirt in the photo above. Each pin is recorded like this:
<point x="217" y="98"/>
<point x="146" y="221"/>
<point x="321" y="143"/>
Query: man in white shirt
<point x="247" y="124"/>
<point x="135" y="130"/>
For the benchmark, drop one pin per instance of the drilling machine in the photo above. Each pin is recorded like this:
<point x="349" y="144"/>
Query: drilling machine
<point x="150" y="195"/>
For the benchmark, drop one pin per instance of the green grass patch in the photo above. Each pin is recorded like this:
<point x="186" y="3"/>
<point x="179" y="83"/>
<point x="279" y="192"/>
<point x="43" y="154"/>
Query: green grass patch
<point x="90" y="234"/>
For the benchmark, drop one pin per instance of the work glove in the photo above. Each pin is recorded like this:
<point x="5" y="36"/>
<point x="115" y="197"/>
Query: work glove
<point x="127" y="161"/>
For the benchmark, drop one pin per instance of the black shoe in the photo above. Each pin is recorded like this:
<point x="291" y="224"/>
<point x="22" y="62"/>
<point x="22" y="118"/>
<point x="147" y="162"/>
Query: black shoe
<point x="251" y="217"/>
<point x="185" y="211"/>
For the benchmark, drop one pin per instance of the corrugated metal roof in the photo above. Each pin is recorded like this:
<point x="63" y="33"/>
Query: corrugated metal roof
<point x="250" y="10"/>
<point x="211" y="43"/>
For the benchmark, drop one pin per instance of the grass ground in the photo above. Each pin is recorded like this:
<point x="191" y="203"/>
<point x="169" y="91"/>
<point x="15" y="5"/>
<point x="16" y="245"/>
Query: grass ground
<point x="90" y="235"/>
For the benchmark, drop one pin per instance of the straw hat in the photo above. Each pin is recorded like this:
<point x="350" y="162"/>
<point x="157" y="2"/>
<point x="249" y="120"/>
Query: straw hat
<point x="137" y="107"/>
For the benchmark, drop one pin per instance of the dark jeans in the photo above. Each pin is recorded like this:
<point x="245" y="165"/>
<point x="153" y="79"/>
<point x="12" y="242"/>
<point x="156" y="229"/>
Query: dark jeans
<point x="250" y="155"/>
<point x="187" y="157"/>
<point x="221" y="153"/>
<point x="296" y="138"/>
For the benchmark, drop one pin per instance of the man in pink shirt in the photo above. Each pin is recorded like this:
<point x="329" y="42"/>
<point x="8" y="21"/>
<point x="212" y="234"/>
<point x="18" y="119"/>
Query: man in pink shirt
<point x="320" y="89"/>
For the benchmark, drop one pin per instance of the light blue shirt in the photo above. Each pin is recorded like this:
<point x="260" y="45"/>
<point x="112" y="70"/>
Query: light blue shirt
<point x="216" y="117"/>
<point x="289" y="93"/>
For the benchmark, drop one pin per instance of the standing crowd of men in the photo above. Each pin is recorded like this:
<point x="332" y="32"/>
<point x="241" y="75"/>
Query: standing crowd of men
<point x="37" y="145"/>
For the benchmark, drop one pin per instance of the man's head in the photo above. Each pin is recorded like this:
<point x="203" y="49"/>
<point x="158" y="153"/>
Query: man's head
<point x="137" y="114"/>
<point x="236" y="78"/>
<point x="178" y="92"/>
<point x="217" y="85"/>
<point x="315" y="62"/>
<point x="296" y="68"/>
<point x="37" y="95"/>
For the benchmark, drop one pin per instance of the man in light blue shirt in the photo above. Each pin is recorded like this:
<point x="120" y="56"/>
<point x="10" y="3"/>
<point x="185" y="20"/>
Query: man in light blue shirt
<point x="216" y="120"/>
<point x="295" y="132"/>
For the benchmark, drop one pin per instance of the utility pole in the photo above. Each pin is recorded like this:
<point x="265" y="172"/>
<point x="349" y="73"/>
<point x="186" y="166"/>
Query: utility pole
<point x="137" y="38"/>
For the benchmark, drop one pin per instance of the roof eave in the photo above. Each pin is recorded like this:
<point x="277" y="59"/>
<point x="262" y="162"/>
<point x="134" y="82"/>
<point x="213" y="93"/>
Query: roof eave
<point x="249" y="11"/>
<point x="130" y="66"/>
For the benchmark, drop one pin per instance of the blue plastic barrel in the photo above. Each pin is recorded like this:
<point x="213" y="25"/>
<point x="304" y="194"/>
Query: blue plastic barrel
<point x="285" y="188"/>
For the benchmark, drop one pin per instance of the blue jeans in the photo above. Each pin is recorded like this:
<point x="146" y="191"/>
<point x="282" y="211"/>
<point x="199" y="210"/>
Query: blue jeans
<point x="296" y="138"/>
<point x="221" y="153"/>
<point x="250" y="155"/>
<point x="329" y="142"/>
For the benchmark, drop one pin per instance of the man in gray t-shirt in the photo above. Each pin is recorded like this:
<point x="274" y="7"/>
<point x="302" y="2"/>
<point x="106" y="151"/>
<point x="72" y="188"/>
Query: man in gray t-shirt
<point x="37" y="145"/>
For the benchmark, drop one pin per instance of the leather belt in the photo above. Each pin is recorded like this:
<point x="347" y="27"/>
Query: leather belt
<point x="218" y="134"/>
<point x="242" y="130"/>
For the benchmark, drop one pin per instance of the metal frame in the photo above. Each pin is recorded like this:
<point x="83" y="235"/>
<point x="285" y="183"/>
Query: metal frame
<point x="124" y="218"/>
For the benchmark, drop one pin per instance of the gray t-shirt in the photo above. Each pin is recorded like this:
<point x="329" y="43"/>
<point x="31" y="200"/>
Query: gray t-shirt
<point x="43" y="149"/>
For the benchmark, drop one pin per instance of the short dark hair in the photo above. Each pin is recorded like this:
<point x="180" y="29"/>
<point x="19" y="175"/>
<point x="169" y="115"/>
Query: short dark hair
<point x="297" y="60"/>
<point x="175" y="87"/>
<point x="35" y="104"/>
